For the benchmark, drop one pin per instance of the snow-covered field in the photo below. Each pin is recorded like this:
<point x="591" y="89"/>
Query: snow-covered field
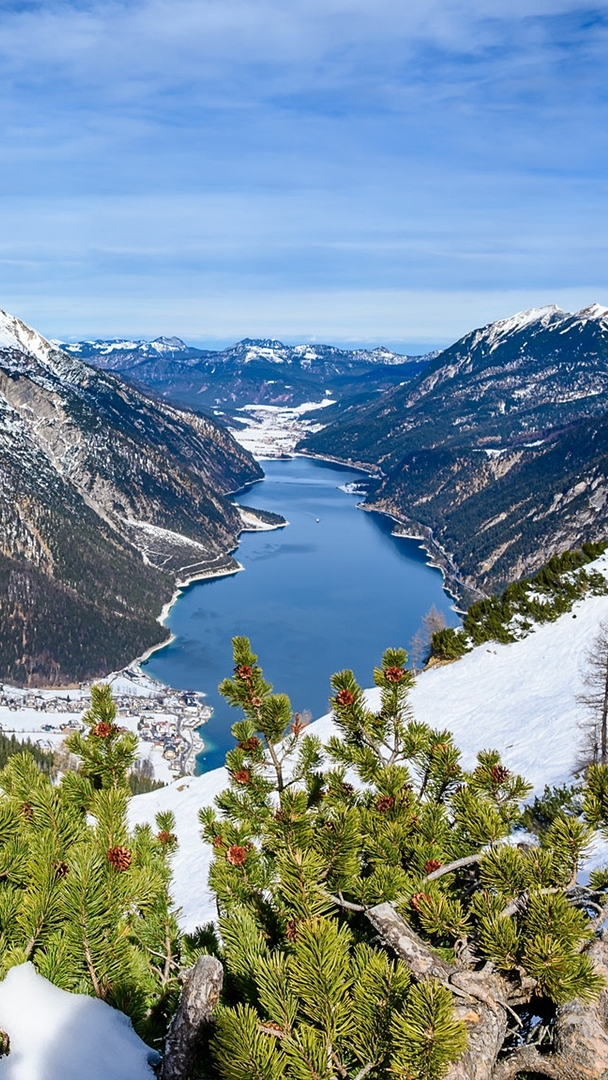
<point x="273" y="430"/>
<point x="519" y="699"/>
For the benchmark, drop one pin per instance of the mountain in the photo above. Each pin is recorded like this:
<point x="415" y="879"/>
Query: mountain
<point x="107" y="498"/>
<point x="251" y="372"/>
<point x="497" y="454"/>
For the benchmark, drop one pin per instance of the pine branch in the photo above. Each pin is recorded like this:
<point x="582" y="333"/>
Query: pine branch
<point x="468" y="860"/>
<point x="202" y="987"/>
<point x="365" y="1070"/>
<point x="422" y="961"/>
<point x="519" y="903"/>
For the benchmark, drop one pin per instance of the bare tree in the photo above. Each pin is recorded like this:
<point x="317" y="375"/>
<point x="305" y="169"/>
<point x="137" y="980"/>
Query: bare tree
<point x="433" y="620"/>
<point x="420" y="645"/>
<point x="419" y="650"/>
<point x="594" y="700"/>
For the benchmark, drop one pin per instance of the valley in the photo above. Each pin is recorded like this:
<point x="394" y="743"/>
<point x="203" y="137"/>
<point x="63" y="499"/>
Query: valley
<point x="497" y="454"/>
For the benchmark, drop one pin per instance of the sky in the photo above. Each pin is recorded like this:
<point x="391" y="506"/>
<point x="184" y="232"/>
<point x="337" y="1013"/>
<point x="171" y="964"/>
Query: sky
<point x="350" y="171"/>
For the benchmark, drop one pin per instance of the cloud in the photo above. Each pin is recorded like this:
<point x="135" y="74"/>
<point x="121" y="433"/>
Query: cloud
<point x="153" y="148"/>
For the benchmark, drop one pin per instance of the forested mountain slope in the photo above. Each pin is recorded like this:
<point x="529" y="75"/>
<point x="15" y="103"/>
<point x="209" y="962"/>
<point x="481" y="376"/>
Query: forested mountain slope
<point x="106" y="498"/>
<point x="497" y="453"/>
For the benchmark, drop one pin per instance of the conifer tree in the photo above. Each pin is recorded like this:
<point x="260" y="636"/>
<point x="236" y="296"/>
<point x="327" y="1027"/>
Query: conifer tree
<point x="81" y="896"/>
<point x="373" y="908"/>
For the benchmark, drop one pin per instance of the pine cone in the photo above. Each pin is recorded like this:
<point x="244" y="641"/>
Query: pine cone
<point x="61" y="869"/>
<point x="394" y="674"/>
<point x="119" y="858"/>
<point x="236" y="855"/>
<point x="291" y="930"/>
<point x="218" y="842"/>
<point x="439" y="748"/>
<point x="166" y="837"/>
<point x="242" y="776"/>
<point x="499" y="774"/>
<point x="250" y="744"/>
<point x="102" y="730"/>
<point x="344" y="698"/>
<point x="256" y="702"/>
<point x="243" y="671"/>
<point x="384" y="803"/>
<point x="431" y="865"/>
<point x="27" y="811"/>
<point x="418" y="899"/>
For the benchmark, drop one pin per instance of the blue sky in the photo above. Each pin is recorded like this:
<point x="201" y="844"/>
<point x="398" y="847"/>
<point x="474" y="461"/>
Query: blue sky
<point x="355" y="171"/>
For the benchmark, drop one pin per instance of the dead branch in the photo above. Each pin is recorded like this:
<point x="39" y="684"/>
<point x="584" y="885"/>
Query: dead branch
<point x="199" y="996"/>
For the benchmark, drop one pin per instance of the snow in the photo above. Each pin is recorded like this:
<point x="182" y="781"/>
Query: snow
<point x="503" y="327"/>
<point x="273" y="430"/>
<point x="594" y="311"/>
<point x="519" y="699"/>
<point x="60" y="1036"/>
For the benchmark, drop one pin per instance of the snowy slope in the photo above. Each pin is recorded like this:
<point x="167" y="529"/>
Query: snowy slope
<point x="518" y="698"/>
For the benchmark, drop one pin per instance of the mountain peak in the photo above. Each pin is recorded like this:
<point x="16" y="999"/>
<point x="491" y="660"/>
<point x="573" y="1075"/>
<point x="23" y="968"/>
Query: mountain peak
<point x="262" y="343"/>
<point x="594" y="311"/>
<point x="15" y="334"/>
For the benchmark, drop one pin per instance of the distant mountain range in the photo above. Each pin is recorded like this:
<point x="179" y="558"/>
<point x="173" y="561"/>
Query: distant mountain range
<point x="107" y="497"/>
<point x="251" y="372"/>
<point x="497" y="453"/>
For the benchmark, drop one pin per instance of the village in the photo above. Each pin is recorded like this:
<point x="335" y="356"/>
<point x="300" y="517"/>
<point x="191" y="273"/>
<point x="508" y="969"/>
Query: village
<point x="166" y="720"/>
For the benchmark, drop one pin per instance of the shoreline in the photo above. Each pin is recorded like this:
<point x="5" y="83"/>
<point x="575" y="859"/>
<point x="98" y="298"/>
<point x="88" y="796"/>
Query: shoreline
<point x="202" y="575"/>
<point x="438" y="558"/>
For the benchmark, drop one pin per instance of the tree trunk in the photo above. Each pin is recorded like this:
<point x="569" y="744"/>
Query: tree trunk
<point x="199" y="996"/>
<point x="581" y="1032"/>
<point x="481" y="1000"/>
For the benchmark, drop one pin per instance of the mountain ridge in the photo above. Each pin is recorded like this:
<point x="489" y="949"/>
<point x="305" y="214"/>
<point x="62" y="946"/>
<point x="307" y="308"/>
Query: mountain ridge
<point x="108" y="497"/>
<point x="496" y="454"/>
<point x="253" y="371"/>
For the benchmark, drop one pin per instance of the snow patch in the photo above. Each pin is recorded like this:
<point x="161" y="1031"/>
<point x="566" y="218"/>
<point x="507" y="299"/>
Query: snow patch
<point x="60" y="1036"/>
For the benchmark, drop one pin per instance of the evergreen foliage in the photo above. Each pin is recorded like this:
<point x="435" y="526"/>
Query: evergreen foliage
<point x="81" y="896"/>
<point x="542" y="598"/>
<point x="12" y="745"/>
<point x="308" y="838"/>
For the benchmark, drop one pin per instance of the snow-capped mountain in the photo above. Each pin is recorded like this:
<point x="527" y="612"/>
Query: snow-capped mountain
<point x="498" y="452"/>
<point x="106" y="495"/>
<point x="254" y="371"/>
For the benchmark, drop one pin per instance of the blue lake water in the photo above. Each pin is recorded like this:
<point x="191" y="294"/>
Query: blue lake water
<point x="315" y="597"/>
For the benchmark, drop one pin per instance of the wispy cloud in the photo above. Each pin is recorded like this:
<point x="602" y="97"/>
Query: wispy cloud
<point x="228" y="147"/>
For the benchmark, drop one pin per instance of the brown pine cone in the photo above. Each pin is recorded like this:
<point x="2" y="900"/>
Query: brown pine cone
<point x="119" y="858"/>
<point x="242" y="776"/>
<point x="418" y="899"/>
<point x="394" y="674"/>
<point x="243" y="671"/>
<point x="236" y="855"/>
<point x="166" y="837"/>
<point x="431" y="865"/>
<point x="102" y="730"/>
<point x="384" y="803"/>
<point x="499" y="774"/>
<point x="344" y="698"/>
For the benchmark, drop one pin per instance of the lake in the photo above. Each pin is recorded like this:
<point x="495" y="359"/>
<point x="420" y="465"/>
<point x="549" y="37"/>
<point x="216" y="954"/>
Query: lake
<point x="331" y="590"/>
